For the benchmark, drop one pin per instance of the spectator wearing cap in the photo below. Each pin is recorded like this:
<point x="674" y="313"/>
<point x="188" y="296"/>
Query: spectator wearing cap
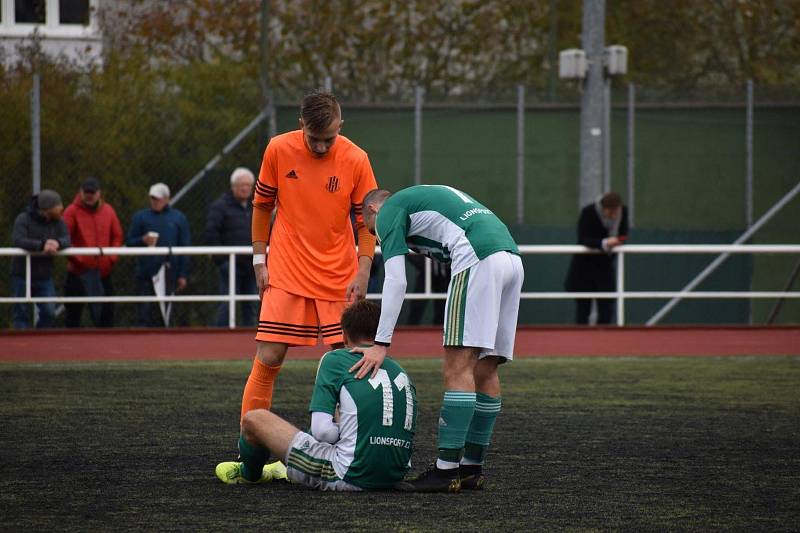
<point x="158" y="225"/>
<point x="228" y="224"/>
<point x="91" y="223"/>
<point x="38" y="229"/>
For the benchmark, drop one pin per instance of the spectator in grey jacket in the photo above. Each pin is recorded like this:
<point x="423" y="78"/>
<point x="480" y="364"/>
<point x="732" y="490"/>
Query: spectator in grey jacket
<point x="38" y="229"/>
<point x="228" y="224"/>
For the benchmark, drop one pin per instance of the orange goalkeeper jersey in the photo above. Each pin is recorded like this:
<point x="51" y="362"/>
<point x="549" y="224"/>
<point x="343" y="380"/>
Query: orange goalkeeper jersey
<point x="312" y="249"/>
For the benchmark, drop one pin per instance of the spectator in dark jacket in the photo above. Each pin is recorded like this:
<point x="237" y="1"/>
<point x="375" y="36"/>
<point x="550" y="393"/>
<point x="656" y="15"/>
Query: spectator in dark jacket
<point x="228" y="224"/>
<point x="602" y="225"/>
<point x="160" y="225"/>
<point x="91" y="223"/>
<point x="38" y="229"/>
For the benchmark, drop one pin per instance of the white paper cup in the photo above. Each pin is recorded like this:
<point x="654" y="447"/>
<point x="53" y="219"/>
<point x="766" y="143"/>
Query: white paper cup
<point x="153" y="234"/>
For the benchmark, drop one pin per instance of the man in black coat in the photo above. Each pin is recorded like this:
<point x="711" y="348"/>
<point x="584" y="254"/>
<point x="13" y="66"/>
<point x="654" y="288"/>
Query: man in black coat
<point x="602" y="225"/>
<point x="38" y="229"/>
<point x="228" y="224"/>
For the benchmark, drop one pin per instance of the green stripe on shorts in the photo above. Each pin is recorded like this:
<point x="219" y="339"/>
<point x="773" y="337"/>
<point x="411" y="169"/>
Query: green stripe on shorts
<point x="456" y="310"/>
<point x="311" y="465"/>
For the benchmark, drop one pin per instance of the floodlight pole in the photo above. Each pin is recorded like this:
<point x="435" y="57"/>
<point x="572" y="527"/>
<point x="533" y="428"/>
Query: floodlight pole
<point x="592" y="130"/>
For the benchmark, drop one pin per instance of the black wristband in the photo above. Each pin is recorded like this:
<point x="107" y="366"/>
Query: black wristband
<point x="386" y="344"/>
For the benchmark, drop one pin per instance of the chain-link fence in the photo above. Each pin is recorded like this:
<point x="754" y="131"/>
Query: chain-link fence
<point x="687" y="170"/>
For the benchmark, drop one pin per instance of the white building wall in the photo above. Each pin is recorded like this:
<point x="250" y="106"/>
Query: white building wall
<point x="75" y="41"/>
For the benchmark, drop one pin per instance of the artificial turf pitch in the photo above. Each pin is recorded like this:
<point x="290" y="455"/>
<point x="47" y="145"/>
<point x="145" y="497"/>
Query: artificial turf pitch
<point x="582" y="443"/>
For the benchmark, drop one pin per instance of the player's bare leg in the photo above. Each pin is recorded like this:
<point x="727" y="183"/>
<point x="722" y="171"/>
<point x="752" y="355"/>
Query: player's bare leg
<point x="487" y="380"/>
<point x="459" y="368"/>
<point x="267" y="430"/>
<point x="271" y="353"/>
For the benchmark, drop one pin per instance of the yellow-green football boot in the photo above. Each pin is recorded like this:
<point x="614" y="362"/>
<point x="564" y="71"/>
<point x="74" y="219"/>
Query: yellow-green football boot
<point x="230" y="472"/>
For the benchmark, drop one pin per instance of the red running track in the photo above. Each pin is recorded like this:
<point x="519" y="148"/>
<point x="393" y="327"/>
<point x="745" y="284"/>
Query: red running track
<point x="208" y="344"/>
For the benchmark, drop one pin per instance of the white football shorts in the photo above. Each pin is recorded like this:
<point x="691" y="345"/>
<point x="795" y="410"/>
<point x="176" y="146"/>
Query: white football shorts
<point x="483" y="305"/>
<point x="310" y="462"/>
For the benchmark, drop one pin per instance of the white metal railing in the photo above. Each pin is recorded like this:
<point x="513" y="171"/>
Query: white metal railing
<point x="232" y="251"/>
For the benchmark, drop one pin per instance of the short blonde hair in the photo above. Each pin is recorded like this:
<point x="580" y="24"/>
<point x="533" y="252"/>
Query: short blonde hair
<point x="242" y="172"/>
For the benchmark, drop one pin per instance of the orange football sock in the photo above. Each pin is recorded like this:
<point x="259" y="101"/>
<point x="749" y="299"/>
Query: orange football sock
<point x="258" y="391"/>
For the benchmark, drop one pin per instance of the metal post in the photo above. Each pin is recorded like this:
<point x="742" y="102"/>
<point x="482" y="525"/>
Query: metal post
<point x="620" y="288"/>
<point x="328" y="84"/>
<point x="631" y="157"/>
<point x="607" y="134"/>
<point x="418" y="96"/>
<point x="520" y="154"/>
<point x="748" y="186"/>
<point x="748" y="198"/>
<point x="593" y="37"/>
<point x="272" y="120"/>
<point x="766" y="217"/>
<point x="36" y="156"/>
<point x="428" y="277"/>
<point x="267" y="99"/>
<point x="231" y="291"/>
<point x="552" y="52"/>
<point x="27" y="275"/>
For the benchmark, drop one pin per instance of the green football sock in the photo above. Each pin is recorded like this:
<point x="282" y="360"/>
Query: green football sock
<point x="480" y="429"/>
<point x="454" y="419"/>
<point x="253" y="459"/>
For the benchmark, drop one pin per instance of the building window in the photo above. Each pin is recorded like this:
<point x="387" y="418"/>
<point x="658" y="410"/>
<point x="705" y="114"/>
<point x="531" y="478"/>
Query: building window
<point x="74" y="12"/>
<point x="29" y="11"/>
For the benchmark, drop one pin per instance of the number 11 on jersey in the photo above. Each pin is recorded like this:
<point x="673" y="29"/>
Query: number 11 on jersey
<point x="403" y="384"/>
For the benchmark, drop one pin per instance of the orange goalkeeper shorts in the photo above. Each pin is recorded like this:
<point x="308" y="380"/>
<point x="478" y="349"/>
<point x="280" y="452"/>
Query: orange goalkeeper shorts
<point x="297" y="320"/>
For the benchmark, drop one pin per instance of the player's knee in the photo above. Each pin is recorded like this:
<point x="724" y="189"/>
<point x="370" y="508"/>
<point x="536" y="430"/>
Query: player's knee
<point x="251" y="421"/>
<point x="271" y="353"/>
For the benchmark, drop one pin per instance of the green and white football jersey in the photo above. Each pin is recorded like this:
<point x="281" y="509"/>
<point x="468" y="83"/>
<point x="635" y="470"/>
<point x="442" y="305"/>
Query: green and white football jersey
<point x="378" y="418"/>
<point x="443" y="223"/>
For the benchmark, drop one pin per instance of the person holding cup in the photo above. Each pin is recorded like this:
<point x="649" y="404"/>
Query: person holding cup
<point x="159" y="225"/>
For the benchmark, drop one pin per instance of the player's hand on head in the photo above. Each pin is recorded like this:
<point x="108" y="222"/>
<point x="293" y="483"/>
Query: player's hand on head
<point x="370" y="363"/>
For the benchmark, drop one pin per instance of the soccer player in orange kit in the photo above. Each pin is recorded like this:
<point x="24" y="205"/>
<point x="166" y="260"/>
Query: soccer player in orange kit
<point x="315" y="177"/>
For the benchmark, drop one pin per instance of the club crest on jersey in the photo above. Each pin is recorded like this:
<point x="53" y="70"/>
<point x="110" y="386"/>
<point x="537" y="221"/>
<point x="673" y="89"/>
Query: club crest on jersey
<point x="291" y="174"/>
<point x="333" y="184"/>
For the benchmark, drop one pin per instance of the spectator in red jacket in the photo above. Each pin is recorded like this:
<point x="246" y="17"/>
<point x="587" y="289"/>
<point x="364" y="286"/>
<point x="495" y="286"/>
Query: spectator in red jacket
<point x="91" y="222"/>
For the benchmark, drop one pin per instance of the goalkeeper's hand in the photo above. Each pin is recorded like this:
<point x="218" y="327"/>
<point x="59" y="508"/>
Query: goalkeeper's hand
<point x="262" y="278"/>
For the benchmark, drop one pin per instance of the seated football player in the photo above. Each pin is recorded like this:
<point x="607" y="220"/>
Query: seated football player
<point x="367" y="447"/>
